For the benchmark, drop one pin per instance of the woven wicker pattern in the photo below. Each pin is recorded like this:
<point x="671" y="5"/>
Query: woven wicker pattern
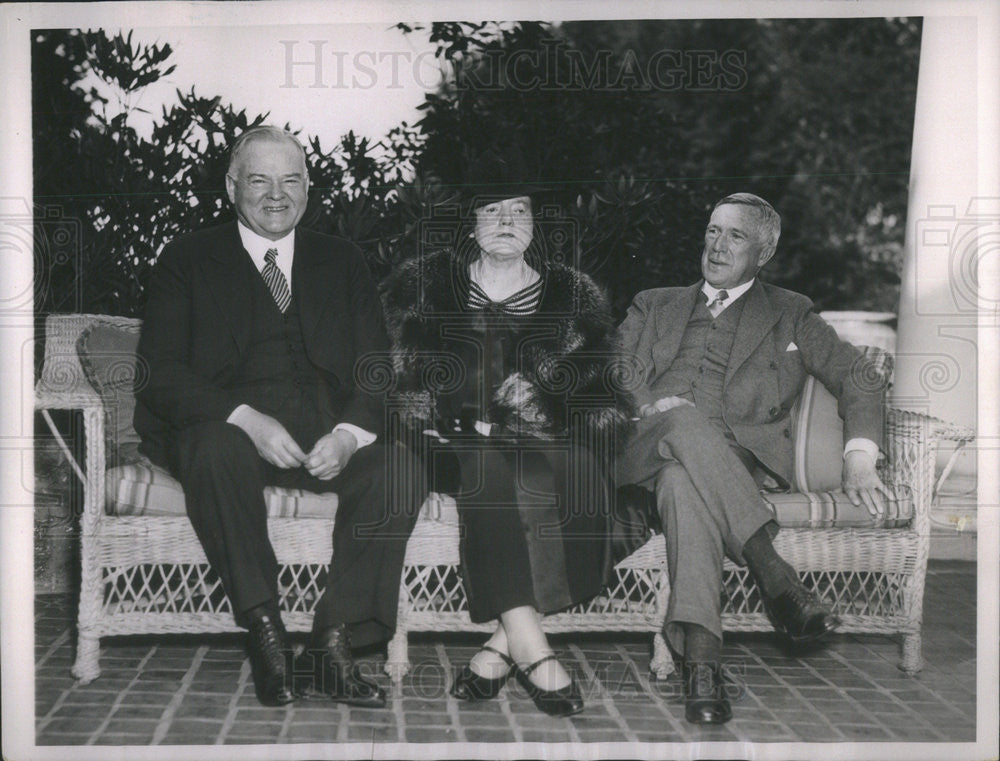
<point x="148" y="574"/>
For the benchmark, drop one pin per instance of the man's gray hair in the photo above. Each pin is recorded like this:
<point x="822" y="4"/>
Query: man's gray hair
<point x="769" y="221"/>
<point x="262" y="132"/>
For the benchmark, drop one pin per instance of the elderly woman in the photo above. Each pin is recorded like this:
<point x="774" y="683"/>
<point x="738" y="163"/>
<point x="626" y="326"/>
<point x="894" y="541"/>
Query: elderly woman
<point x="521" y="431"/>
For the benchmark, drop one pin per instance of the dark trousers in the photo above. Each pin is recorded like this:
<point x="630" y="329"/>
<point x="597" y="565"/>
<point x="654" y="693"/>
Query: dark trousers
<point x="534" y="519"/>
<point x="223" y="479"/>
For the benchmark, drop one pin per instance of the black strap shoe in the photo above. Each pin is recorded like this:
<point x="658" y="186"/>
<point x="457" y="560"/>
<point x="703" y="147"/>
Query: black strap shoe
<point x="565" y="701"/>
<point x="800" y="614"/>
<point x="469" y="685"/>
<point x="270" y="659"/>
<point x="705" y="699"/>
<point x="328" y="669"/>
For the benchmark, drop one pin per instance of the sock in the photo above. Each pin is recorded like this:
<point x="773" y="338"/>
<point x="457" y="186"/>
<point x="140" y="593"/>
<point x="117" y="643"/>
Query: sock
<point x="772" y="574"/>
<point x="700" y="645"/>
<point x="269" y="608"/>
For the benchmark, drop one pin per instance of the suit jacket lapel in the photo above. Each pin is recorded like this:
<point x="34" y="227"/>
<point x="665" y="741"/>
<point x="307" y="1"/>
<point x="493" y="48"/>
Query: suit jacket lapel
<point x="228" y="277"/>
<point x="756" y="321"/>
<point x="671" y="320"/>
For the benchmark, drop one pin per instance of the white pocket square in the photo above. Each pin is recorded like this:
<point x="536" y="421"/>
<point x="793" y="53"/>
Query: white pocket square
<point x="792" y="347"/>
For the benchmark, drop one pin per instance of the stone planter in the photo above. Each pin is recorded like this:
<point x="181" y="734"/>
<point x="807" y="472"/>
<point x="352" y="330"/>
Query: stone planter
<point x="865" y="328"/>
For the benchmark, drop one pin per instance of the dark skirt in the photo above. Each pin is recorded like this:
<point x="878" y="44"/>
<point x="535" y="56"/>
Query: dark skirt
<point x="534" y="518"/>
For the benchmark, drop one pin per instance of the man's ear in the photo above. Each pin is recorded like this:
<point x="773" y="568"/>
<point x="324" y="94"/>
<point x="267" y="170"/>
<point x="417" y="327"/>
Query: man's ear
<point x="764" y="257"/>
<point x="231" y="188"/>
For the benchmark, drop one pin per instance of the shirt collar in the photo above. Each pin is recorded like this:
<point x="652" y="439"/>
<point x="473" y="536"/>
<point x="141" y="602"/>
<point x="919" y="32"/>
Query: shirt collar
<point x="734" y="293"/>
<point x="257" y="246"/>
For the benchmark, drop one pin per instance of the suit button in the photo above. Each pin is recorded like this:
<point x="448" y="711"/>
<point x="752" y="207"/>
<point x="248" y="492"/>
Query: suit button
<point x="694" y="384"/>
<point x="788" y="434"/>
<point x="773" y="365"/>
<point x="773" y="411"/>
<point x="714" y="326"/>
<point x="701" y="369"/>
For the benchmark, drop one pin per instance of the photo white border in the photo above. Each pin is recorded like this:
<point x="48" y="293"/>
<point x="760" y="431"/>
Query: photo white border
<point x="16" y="379"/>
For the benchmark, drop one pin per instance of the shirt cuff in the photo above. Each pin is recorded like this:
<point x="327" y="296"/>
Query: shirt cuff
<point x="236" y="413"/>
<point x="862" y="445"/>
<point x="364" y="437"/>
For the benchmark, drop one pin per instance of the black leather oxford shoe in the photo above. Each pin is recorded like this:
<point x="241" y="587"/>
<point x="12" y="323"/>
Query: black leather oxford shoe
<point x="327" y="668"/>
<point x="270" y="660"/>
<point x="705" y="699"/>
<point x="800" y="615"/>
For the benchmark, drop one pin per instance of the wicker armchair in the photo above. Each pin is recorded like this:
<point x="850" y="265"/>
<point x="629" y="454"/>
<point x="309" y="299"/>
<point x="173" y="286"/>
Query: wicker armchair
<point x="143" y="571"/>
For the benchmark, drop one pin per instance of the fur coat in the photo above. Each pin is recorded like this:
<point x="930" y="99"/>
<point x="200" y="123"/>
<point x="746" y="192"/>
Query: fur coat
<point x="567" y="358"/>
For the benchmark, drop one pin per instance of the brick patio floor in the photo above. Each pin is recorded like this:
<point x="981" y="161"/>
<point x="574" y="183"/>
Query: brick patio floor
<point x="197" y="690"/>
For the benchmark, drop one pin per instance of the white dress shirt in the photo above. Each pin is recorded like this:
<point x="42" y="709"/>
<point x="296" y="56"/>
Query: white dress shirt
<point x="257" y="246"/>
<point x="733" y="293"/>
<point x="856" y="444"/>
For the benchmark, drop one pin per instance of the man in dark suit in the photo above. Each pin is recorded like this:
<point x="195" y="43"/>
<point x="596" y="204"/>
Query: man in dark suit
<point x="723" y="362"/>
<point x="251" y="335"/>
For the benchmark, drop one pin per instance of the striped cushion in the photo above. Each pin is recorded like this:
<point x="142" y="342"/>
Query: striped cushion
<point x="832" y="509"/>
<point x="805" y="510"/>
<point x="819" y="429"/>
<point x="142" y="488"/>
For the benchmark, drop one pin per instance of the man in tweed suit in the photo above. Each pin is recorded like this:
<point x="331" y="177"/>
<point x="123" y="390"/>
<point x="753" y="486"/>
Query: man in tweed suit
<point x="723" y="362"/>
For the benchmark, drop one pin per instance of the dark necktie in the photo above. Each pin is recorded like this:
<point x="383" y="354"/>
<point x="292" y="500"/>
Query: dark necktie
<point x="715" y="306"/>
<point x="275" y="280"/>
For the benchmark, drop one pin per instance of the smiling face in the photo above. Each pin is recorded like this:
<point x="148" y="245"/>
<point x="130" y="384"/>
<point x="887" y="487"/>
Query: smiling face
<point x="504" y="228"/>
<point x="734" y="246"/>
<point x="269" y="186"/>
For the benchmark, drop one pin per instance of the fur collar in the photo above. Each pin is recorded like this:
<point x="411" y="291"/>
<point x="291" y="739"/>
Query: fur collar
<point x="425" y="290"/>
<point x="573" y="343"/>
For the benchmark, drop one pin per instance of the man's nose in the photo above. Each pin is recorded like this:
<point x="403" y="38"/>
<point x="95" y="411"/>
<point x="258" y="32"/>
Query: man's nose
<point x="506" y="217"/>
<point x="275" y="190"/>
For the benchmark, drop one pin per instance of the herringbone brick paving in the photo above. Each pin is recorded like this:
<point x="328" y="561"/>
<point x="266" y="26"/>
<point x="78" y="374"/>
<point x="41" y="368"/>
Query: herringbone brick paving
<point x="197" y="690"/>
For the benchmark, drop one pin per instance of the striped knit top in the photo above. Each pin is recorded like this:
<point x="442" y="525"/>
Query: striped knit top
<point x="522" y="302"/>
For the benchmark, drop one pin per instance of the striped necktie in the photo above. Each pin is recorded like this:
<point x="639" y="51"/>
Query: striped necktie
<point x="715" y="308"/>
<point x="276" y="281"/>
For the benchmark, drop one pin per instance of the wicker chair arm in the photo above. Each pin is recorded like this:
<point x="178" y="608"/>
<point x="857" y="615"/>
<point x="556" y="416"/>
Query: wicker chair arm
<point x="912" y="444"/>
<point x="92" y="473"/>
<point x="939" y="429"/>
<point x="77" y="398"/>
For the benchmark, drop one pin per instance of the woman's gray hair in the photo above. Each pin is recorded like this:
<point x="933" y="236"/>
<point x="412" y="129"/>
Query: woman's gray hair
<point x="769" y="221"/>
<point x="262" y="132"/>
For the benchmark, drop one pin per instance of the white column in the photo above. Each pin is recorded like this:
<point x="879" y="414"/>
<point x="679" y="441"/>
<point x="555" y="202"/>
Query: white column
<point x="947" y="224"/>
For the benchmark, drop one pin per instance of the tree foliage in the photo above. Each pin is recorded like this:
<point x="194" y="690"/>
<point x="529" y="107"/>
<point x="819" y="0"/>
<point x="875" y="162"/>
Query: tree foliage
<point x="132" y="194"/>
<point x="814" y="115"/>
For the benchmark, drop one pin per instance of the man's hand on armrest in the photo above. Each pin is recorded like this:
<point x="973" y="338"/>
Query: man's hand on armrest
<point x="273" y="442"/>
<point x="861" y="482"/>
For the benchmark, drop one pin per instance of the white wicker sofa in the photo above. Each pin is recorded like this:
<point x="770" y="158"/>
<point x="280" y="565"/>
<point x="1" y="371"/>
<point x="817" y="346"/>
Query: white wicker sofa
<point x="143" y="570"/>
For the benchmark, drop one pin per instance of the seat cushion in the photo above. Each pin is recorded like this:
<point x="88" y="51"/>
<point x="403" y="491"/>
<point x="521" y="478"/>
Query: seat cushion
<point x="144" y="489"/>
<point x="832" y="509"/>
<point x="141" y="488"/>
